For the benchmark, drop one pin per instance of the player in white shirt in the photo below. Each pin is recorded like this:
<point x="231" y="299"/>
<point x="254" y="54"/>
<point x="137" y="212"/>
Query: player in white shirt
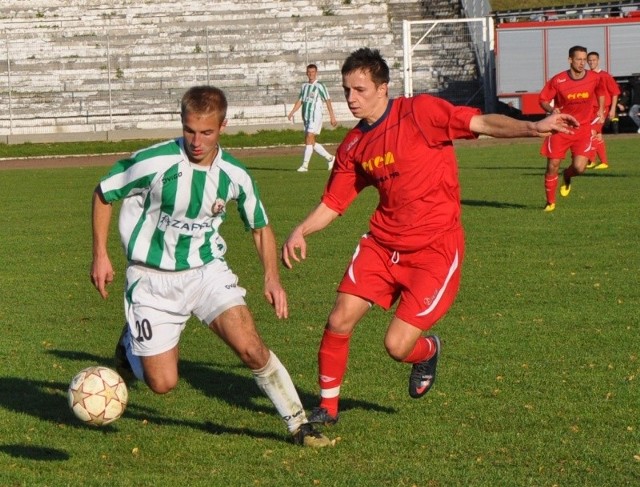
<point x="174" y="198"/>
<point x="312" y="95"/>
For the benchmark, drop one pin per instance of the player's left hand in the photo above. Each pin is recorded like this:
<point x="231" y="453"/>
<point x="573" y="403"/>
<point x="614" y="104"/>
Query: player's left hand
<point x="556" y="122"/>
<point x="275" y="294"/>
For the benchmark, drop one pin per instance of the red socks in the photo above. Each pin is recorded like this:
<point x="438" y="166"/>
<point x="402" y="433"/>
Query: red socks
<point x="332" y="364"/>
<point x="424" y="349"/>
<point x="550" y="185"/>
<point x="600" y="150"/>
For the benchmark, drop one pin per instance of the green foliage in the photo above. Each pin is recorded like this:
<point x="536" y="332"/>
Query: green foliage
<point x="537" y="384"/>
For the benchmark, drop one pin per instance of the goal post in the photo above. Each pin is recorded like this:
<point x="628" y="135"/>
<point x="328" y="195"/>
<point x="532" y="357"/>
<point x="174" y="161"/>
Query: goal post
<point x="450" y="58"/>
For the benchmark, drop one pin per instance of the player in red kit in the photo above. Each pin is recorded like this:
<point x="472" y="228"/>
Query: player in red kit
<point x="577" y="92"/>
<point x="611" y="94"/>
<point x="414" y="249"/>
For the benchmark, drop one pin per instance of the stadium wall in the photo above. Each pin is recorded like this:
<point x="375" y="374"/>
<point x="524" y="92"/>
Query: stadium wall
<point x="108" y="70"/>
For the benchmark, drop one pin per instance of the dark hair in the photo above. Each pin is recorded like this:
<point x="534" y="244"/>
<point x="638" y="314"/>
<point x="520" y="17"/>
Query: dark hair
<point x="593" y="53"/>
<point x="204" y="100"/>
<point x="370" y="61"/>
<point x="575" y="49"/>
<point x="312" y="66"/>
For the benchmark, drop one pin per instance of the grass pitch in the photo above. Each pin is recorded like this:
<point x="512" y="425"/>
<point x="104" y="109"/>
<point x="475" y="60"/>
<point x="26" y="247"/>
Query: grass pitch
<point x="537" y="382"/>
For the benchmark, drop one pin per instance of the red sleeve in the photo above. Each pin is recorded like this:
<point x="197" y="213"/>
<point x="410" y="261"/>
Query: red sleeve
<point x="601" y="87"/>
<point x="548" y="92"/>
<point x="612" y="85"/>
<point x="442" y="122"/>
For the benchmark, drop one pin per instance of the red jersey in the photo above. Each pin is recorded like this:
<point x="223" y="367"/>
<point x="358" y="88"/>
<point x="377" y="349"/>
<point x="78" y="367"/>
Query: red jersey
<point x="408" y="156"/>
<point x="577" y="97"/>
<point x="609" y="86"/>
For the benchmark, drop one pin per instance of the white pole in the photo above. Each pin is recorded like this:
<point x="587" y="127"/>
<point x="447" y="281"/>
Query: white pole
<point x="206" y="35"/>
<point x="6" y="36"/>
<point x="109" y="80"/>
<point x="406" y="58"/>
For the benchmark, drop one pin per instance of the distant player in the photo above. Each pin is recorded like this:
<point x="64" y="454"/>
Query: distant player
<point x="414" y="249"/>
<point x="611" y="94"/>
<point x="312" y="96"/>
<point x="175" y="196"/>
<point x="577" y="92"/>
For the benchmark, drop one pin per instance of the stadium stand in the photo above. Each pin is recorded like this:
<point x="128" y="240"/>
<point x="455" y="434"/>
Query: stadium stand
<point x="86" y="69"/>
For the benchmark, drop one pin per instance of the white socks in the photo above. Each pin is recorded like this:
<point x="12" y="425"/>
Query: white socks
<point x="274" y="380"/>
<point x="134" y="360"/>
<point x="308" y="151"/>
<point x="322" y="151"/>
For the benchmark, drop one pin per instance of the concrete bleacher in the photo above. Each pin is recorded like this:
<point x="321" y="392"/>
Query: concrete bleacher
<point x="97" y="66"/>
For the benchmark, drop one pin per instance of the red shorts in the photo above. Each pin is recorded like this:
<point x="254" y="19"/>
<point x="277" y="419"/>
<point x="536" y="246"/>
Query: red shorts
<point x="555" y="146"/>
<point x="426" y="281"/>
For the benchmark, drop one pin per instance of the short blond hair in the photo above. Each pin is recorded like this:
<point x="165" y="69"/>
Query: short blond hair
<point x="204" y="100"/>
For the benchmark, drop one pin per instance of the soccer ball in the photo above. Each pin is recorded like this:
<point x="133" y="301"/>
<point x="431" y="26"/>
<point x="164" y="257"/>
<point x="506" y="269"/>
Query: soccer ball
<point x="97" y="395"/>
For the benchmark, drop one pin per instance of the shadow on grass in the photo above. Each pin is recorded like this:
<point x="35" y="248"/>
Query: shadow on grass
<point x="508" y="167"/>
<point x="236" y="389"/>
<point x="30" y="452"/>
<point x="242" y="391"/>
<point x="253" y="169"/>
<point x="48" y="401"/>
<point x="586" y="175"/>
<point x="491" y="204"/>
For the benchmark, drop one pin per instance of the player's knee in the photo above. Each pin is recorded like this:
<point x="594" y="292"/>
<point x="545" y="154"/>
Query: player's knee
<point x="339" y="323"/>
<point x="254" y="355"/>
<point x="395" y="349"/>
<point x="161" y="385"/>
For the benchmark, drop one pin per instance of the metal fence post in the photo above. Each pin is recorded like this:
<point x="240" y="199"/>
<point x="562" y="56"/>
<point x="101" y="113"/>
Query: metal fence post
<point x="6" y="37"/>
<point x="206" y="40"/>
<point x="109" y="80"/>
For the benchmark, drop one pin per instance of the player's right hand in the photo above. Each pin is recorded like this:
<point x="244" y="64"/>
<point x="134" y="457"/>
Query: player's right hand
<point x="294" y="242"/>
<point x="101" y="275"/>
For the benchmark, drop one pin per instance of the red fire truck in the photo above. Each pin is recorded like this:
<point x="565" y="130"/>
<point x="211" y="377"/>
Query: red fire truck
<point x="529" y="52"/>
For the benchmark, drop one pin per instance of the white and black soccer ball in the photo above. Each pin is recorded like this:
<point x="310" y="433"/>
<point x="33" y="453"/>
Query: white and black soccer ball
<point x="97" y="395"/>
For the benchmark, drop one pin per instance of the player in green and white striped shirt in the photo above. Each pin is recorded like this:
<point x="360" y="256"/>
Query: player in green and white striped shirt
<point x="312" y="95"/>
<point x="174" y="199"/>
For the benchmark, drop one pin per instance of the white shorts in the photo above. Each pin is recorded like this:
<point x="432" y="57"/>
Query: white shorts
<point x="157" y="304"/>
<point x="314" y="125"/>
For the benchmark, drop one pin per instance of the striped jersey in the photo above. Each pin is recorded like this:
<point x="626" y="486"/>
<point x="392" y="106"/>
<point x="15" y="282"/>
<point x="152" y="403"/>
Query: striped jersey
<point x="172" y="209"/>
<point x="312" y="95"/>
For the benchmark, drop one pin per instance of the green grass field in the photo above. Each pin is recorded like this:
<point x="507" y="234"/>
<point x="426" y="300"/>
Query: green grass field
<point x="538" y="378"/>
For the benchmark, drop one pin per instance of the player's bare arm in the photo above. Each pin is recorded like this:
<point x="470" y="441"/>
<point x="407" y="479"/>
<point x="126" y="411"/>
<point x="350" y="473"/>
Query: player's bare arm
<point x="101" y="269"/>
<point x="548" y="108"/>
<point x="295" y="108"/>
<point x="320" y="217"/>
<point x="601" y="109"/>
<point x="332" y="117"/>
<point x="274" y="293"/>
<point x="612" y="109"/>
<point x="506" y="127"/>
